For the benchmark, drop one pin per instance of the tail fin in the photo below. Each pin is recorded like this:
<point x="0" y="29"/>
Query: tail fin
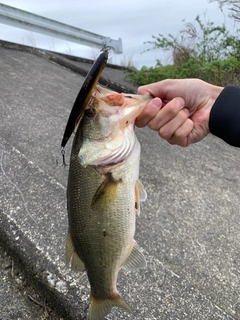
<point x="98" y="308"/>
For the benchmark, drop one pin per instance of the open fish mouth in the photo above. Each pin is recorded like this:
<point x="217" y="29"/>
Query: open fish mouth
<point x="107" y="127"/>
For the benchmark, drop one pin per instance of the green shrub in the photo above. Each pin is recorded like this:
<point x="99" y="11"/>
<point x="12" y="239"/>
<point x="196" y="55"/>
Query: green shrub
<point x="204" y="51"/>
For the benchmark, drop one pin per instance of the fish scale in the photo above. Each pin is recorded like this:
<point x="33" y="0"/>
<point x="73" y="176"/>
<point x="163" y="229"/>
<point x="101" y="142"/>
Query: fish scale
<point x="87" y="230"/>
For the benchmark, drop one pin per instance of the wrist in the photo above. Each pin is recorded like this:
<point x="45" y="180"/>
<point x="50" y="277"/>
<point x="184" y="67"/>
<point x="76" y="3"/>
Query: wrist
<point x="225" y="115"/>
<point x="216" y="92"/>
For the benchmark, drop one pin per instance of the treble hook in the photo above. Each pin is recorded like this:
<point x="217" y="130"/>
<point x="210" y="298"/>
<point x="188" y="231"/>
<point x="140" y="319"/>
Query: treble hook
<point x="63" y="159"/>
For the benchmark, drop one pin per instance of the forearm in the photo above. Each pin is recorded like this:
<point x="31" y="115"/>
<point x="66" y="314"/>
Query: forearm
<point x="224" y="121"/>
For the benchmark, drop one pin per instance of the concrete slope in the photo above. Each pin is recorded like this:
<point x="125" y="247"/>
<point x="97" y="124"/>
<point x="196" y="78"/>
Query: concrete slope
<point x="189" y="227"/>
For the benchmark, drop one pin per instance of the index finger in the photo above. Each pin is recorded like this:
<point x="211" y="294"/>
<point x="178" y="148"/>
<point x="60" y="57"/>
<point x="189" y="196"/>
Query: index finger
<point x="166" y="89"/>
<point x="144" y="90"/>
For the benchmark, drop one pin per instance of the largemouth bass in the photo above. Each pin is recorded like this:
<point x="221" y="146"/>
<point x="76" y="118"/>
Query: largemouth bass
<point x="104" y="194"/>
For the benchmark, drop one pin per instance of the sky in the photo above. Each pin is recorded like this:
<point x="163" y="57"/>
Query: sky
<point x="134" y="21"/>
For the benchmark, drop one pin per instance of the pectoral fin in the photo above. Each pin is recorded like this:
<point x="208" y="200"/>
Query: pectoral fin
<point x="136" y="259"/>
<point x="72" y="257"/>
<point x="140" y="195"/>
<point x="106" y="193"/>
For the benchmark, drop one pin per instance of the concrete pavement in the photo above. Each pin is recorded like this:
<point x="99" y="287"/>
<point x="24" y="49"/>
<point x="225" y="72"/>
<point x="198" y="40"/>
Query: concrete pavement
<point x="18" y="299"/>
<point x="189" y="227"/>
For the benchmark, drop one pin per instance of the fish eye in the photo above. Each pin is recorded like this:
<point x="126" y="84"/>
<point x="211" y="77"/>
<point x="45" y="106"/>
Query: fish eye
<point x="90" y="113"/>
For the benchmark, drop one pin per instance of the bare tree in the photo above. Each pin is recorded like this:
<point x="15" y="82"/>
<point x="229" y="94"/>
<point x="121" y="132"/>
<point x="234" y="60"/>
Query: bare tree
<point x="234" y="7"/>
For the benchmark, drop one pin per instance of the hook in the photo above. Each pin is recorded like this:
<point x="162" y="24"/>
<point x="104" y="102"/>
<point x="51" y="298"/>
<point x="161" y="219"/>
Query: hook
<point x="63" y="159"/>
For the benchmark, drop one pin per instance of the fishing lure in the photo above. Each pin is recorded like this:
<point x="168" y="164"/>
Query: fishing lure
<point x="84" y="96"/>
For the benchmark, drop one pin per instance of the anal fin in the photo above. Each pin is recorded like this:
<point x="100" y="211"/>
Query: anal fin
<point x="72" y="257"/>
<point x="136" y="259"/>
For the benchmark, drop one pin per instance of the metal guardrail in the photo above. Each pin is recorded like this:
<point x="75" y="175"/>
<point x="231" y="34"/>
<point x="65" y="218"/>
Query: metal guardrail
<point x="26" y="20"/>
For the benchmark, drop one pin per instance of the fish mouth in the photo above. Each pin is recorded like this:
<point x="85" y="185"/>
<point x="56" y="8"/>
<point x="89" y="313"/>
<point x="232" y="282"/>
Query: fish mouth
<point x="101" y="92"/>
<point x="127" y="106"/>
<point x="114" y="138"/>
<point x="134" y="107"/>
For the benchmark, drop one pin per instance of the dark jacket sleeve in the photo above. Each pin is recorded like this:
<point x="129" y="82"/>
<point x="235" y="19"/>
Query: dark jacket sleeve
<point x="224" y="121"/>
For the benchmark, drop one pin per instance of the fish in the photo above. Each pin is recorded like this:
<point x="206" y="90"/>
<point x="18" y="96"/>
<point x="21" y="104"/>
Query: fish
<point x="104" y="194"/>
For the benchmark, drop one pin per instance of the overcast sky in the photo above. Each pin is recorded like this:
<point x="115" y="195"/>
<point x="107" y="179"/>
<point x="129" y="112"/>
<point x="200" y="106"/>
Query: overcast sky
<point x="134" y="21"/>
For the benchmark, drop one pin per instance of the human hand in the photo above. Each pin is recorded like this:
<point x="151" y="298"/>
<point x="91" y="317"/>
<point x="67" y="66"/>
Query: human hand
<point x="180" y="109"/>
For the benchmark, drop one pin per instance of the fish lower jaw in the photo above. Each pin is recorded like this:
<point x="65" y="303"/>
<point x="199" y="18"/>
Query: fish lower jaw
<point x="103" y="155"/>
<point x="104" y="164"/>
<point x="108" y="167"/>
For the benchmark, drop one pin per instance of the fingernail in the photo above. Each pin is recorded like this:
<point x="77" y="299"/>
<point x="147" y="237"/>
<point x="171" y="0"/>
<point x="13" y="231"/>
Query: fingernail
<point x="180" y="102"/>
<point x="156" y="103"/>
